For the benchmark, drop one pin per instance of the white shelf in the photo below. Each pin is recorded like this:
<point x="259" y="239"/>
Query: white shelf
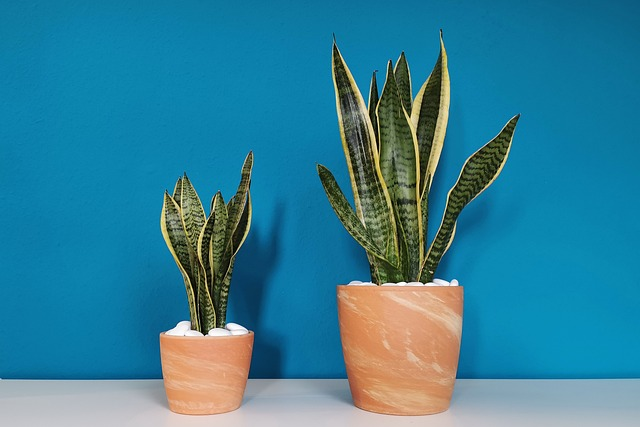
<point x="309" y="403"/>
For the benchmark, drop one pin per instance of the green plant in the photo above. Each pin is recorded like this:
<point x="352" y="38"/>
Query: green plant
<point x="392" y="150"/>
<point x="205" y="247"/>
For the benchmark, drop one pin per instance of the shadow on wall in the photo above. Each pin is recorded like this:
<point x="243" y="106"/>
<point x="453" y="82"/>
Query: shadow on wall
<point x="254" y="267"/>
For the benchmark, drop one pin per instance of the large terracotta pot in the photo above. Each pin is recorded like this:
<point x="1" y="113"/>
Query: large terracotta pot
<point x="401" y="346"/>
<point x="205" y="375"/>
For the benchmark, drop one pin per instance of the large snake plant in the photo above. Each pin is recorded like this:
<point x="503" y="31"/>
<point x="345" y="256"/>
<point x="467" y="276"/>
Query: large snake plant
<point x="392" y="148"/>
<point x="205" y="247"/>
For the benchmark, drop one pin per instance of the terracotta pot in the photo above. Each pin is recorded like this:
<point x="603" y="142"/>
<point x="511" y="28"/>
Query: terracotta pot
<point x="205" y="375"/>
<point x="401" y="346"/>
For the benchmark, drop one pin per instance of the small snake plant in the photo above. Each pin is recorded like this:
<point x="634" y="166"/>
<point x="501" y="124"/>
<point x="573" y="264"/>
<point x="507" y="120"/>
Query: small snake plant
<point x="392" y="148"/>
<point x="205" y="247"/>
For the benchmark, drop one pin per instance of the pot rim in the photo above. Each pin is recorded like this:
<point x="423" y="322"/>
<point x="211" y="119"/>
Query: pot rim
<point x="199" y="339"/>
<point x="397" y="288"/>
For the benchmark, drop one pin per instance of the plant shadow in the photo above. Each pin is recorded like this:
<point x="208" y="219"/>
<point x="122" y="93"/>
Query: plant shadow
<point x="255" y="266"/>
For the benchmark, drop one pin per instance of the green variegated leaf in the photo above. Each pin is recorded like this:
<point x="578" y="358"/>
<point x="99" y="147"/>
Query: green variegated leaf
<point x="235" y="211"/>
<point x="372" y="201"/>
<point x="177" y="191"/>
<point x="403" y="80"/>
<point x="237" y="203"/>
<point x="424" y="210"/>
<point x="478" y="172"/>
<point x="175" y="237"/>
<point x="373" y="105"/>
<point x="405" y="267"/>
<point x="224" y="295"/>
<point x="242" y="229"/>
<point x="218" y="245"/>
<point x="399" y="166"/>
<point x="193" y="215"/>
<point x="205" y="306"/>
<point x="430" y="115"/>
<point x="238" y="238"/>
<point x="204" y="250"/>
<point x="345" y="213"/>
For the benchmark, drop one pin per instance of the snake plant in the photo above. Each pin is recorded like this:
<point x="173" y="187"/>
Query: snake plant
<point x="392" y="148"/>
<point x="205" y="247"/>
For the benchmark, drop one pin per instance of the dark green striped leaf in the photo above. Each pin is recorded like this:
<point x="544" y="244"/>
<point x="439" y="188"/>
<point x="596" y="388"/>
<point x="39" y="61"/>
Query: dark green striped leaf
<point x="372" y="201"/>
<point x="177" y="191"/>
<point x="205" y="306"/>
<point x="424" y="209"/>
<point x="204" y="248"/>
<point x="231" y="249"/>
<point x="218" y="245"/>
<point x="345" y="213"/>
<point x="192" y="213"/>
<point x="373" y="105"/>
<point x="235" y="211"/>
<point x="478" y="172"/>
<point x="430" y="115"/>
<point x="238" y="201"/>
<point x="399" y="166"/>
<point x="242" y="230"/>
<point x="224" y="295"/>
<point x="175" y="237"/>
<point x="403" y="80"/>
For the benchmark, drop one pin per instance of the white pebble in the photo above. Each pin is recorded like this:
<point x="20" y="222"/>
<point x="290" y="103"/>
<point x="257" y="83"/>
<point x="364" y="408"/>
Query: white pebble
<point x="415" y="284"/>
<point x="454" y="282"/>
<point x="440" y="282"/>
<point x="430" y="284"/>
<point x="219" y="332"/>
<point x="402" y="283"/>
<point x="192" y="333"/>
<point x="389" y="284"/>
<point x="235" y="327"/>
<point x="239" y="332"/>
<point x="359" y="283"/>
<point x="175" y="332"/>
<point x="184" y="326"/>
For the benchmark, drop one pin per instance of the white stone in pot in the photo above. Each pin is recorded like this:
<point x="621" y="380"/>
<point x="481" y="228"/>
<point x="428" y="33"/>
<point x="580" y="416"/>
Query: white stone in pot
<point x="219" y="332"/>
<point x="235" y="327"/>
<point x="192" y="333"/>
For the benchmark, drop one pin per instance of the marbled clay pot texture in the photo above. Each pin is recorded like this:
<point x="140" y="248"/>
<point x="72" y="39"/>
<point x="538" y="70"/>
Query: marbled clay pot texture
<point x="205" y="375"/>
<point x="401" y="346"/>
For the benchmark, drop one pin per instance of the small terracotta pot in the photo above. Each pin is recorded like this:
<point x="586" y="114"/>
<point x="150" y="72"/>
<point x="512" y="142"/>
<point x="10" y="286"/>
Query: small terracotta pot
<point x="401" y="346"/>
<point x="205" y="375"/>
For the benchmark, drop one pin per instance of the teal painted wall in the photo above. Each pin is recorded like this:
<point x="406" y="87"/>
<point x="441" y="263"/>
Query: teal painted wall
<point x="104" y="104"/>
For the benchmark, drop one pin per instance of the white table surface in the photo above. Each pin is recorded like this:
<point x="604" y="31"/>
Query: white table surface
<point x="308" y="403"/>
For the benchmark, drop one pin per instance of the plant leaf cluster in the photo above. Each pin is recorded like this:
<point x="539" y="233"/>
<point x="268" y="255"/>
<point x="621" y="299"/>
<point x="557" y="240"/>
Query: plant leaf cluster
<point x="205" y="247"/>
<point x="392" y="148"/>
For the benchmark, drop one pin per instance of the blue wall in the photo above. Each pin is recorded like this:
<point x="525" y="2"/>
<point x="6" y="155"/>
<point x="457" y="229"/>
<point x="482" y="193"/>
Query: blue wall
<point x="104" y="104"/>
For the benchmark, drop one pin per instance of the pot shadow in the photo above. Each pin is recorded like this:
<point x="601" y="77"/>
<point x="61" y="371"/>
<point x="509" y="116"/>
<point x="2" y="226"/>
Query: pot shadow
<point x="340" y="392"/>
<point x="255" y="266"/>
<point x="157" y="394"/>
